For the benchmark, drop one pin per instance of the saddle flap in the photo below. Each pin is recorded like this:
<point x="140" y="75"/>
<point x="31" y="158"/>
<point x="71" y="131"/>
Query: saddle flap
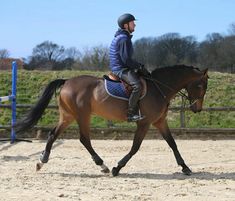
<point x="120" y="89"/>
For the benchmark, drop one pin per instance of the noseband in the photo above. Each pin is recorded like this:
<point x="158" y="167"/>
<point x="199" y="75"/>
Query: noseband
<point x="193" y="101"/>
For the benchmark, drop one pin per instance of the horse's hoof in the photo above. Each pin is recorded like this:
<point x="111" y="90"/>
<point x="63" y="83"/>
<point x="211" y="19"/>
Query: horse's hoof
<point x="44" y="157"/>
<point x="106" y="170"/>
<point x="39" y="166"/>
<point x="115" y="171"/>
<point x="187" y="171"/>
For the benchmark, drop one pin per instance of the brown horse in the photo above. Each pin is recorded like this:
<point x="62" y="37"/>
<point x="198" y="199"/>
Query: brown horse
<point x="82" y="96"/>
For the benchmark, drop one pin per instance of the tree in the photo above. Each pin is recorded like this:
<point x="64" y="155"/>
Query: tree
<point x="72" y="53"/>
<point x="96" y="58"/>
<point x="168" y="49"/>
<point x="4" y="53"/>
<point x="47" y="55"/>
<point x="143" y="48"/>
<point x="226" y="54"/>
<point x="209" y="51"/>
<point x="178" y="49"/>
<point x="232" y="29"/>
<point x="48" y="52"/>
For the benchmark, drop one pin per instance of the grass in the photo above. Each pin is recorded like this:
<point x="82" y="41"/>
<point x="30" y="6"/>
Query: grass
<point x="220" y="93"/>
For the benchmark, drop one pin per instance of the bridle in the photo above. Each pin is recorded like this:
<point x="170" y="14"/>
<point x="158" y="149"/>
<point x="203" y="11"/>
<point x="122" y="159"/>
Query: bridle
<point x="180" y="93"/>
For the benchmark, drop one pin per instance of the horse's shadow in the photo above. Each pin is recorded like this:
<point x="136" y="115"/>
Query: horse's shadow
<point x="154" y="176"/>
<point x="180" y="176"/>
<point x="4" y="148"/>
<point x="22" y="157"/>
<point x="76" y="175"/>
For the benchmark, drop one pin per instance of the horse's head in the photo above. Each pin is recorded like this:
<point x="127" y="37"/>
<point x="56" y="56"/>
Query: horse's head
<point x="196" y="91"/>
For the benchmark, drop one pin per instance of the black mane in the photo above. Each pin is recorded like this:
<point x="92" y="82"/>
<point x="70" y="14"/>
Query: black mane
<point x="174" y="67"/>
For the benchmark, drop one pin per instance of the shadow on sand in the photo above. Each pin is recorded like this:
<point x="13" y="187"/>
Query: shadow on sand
<point x="154" y="176"/>
<point x="180" y="176"/>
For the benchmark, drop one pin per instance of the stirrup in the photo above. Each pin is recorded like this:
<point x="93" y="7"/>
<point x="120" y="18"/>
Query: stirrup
<point x="135" y="117"/>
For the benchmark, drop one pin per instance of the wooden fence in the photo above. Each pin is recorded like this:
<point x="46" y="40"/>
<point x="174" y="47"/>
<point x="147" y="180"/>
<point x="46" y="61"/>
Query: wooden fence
<point x="119" y="133"/>
<point x="182" y="110"/>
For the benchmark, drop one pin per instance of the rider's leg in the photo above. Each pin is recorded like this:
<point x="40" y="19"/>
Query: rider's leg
<point x="133" y="79"/>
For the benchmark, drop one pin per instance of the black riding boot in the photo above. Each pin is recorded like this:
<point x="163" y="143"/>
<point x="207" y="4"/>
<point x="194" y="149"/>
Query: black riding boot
<point x="133" y="109"/>
<point x="132" y="115"/>
<point x="133" y="79"/>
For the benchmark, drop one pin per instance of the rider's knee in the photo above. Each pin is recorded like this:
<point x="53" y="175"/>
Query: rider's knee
<point x="137" y="86"/>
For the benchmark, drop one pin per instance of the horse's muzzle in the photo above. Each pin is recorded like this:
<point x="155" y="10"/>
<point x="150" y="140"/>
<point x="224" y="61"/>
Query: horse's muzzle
<point x="195" y="108"/>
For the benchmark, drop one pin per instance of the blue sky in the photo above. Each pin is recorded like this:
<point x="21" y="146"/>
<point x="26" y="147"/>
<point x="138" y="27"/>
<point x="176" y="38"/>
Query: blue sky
<point x="81" y="24"/>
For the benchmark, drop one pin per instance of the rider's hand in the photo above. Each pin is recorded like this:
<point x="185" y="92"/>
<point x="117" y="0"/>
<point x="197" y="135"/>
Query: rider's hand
<point x="140" y="66"/>
<point x="142" y="70"/>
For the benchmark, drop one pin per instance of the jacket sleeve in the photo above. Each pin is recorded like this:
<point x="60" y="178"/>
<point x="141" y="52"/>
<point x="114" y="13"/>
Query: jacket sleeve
<point x="125" y="54"/>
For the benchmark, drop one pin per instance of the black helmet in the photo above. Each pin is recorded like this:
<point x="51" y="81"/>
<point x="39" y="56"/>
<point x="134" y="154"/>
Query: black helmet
<point x="125" y="18"/>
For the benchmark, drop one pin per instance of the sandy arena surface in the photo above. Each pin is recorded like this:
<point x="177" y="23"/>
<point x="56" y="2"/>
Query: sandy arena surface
<point x="152" y="174"/>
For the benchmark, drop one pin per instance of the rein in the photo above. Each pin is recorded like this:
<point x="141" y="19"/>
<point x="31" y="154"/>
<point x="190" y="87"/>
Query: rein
<point x="180" y="93"/>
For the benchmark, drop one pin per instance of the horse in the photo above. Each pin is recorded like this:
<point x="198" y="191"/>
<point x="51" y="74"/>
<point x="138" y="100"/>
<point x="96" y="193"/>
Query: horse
<point x="85" y="95"/>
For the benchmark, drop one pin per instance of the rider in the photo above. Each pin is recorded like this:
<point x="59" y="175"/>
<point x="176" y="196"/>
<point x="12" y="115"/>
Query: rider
<point x="122" y="64"/>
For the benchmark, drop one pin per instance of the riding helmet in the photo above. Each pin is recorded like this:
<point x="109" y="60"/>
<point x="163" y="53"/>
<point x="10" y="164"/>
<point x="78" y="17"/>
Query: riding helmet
<point x="125" y="18"/>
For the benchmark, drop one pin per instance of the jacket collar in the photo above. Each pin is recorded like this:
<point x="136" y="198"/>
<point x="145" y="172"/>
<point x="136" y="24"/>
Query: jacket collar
<point x="123" y="31"/>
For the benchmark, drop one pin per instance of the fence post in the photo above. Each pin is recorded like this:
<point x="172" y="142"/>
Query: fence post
<point x="13" y="100"/>
<point x="182" y="113"/>
<point x="110" y="123"/>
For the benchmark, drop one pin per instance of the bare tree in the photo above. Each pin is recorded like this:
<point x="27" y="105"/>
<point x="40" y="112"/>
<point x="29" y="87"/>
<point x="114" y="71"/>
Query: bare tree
<point x="4" y="53"/>
<point x="46" y="55"/>
<point x="168" y="49"/>
<point x="143" y="48"/>
<point x="49" y="51"/>
<point x="72" y="53"/>
<point x="232" y="29"/>
<point x="95" y="58"/>
<point x="209" y="51"/>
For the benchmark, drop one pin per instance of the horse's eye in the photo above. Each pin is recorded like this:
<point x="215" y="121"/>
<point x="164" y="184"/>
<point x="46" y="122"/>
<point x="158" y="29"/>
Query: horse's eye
<point x="200" y="86"/>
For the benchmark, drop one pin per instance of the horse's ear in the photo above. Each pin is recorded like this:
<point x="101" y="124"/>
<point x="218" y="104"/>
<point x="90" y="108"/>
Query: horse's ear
<point x="205" y="73"/>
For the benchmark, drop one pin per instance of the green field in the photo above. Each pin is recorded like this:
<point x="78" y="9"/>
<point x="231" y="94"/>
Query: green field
<point x="221" y="93"/>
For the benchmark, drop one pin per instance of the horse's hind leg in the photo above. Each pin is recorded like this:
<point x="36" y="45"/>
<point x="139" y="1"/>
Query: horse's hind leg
<point x="53" y="135"/>
<point x="84" y="122"/>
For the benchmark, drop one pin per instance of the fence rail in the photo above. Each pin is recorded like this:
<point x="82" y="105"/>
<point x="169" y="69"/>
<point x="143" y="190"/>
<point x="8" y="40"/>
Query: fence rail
<point x="179" y="109"/>
<point x="176" y="108"/>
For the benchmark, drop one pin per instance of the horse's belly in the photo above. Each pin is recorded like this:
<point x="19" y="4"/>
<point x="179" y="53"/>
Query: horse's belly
<point x="111" y="109"/>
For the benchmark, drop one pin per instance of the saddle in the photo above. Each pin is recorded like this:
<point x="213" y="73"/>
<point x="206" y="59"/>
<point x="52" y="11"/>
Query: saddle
<point x="118" y="88"/>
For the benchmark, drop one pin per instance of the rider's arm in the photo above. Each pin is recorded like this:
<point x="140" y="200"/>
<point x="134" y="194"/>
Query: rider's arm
<point x="125" y="48"/>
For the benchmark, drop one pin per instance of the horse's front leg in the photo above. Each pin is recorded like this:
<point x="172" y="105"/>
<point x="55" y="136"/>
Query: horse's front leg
<point x="140" y="133"/>
<point x="166" y="134"/>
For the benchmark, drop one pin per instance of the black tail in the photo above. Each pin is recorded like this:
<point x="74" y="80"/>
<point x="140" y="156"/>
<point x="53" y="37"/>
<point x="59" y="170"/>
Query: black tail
<point x="35" y="113"/>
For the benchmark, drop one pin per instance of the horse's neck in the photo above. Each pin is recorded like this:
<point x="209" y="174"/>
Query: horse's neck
<point x="176" y="80"/>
